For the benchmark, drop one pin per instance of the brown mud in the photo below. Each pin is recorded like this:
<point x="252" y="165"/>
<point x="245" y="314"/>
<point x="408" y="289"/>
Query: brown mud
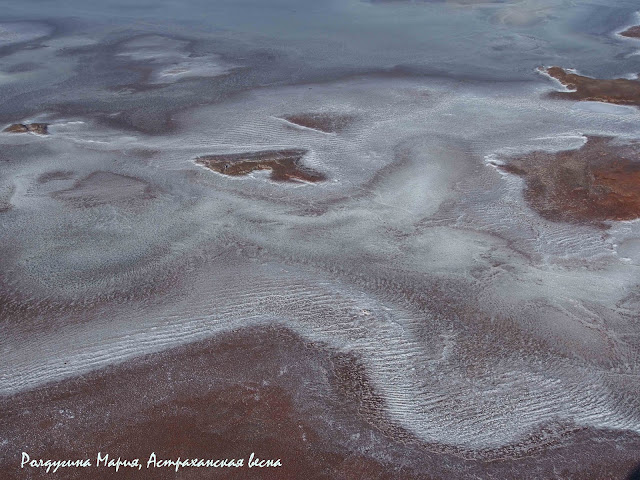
<point x="632" y="32"/>
<point x="285" y="165"/>
<point x="619" y="91"/>
<point x="39" y="128"/>
<point x="596" y="183"/>
<point x="262" y="390"/>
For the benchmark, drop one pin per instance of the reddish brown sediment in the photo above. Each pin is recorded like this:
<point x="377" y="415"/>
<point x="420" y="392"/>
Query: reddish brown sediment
<point x="350" y="380"/>
<point x="285" y="165"/>
<point x="598" y="182"/>
<point x="262" y="390"/>
<point x="632" y="32"/>
<point x="324" y="122"/>
<point x="255" y="391"/>
<point x="620" y="91"/>
<point x="39" y="128"/>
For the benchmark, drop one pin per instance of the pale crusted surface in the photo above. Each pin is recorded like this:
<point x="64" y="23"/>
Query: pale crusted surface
<point x="357" y="234"/>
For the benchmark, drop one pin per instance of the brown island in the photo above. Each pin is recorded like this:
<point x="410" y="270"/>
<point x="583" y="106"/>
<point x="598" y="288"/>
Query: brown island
<point x="39" y="128"/>
<point x="285" y="165"/>
<point x="632" y="32"/>
<point x="620" y="91"/>
<point x="598" y="182"/>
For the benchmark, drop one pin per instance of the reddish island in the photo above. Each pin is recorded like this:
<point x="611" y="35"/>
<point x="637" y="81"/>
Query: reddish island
<point x="285" y="165"/>
<point x="620" y="91"/>
<point x="598" y="182"/>
<point x="39" y="128"/>
<point x="632" y="32"/>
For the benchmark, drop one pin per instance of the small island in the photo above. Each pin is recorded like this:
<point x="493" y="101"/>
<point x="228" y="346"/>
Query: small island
<point x="39" y="128"/>
<point x="632" y="32"/>
<point x="620" y="91"/>
<point x="285" y="165"/>
<point x="598" y="182"/>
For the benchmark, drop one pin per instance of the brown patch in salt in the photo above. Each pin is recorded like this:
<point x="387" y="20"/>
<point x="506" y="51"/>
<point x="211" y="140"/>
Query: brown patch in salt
<point x="632" y="32"/>
<point x="598" y="182"/>
<point x="285" y="165"/>
<point x="619" y="91"/>
<point x="39" y="128"/>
